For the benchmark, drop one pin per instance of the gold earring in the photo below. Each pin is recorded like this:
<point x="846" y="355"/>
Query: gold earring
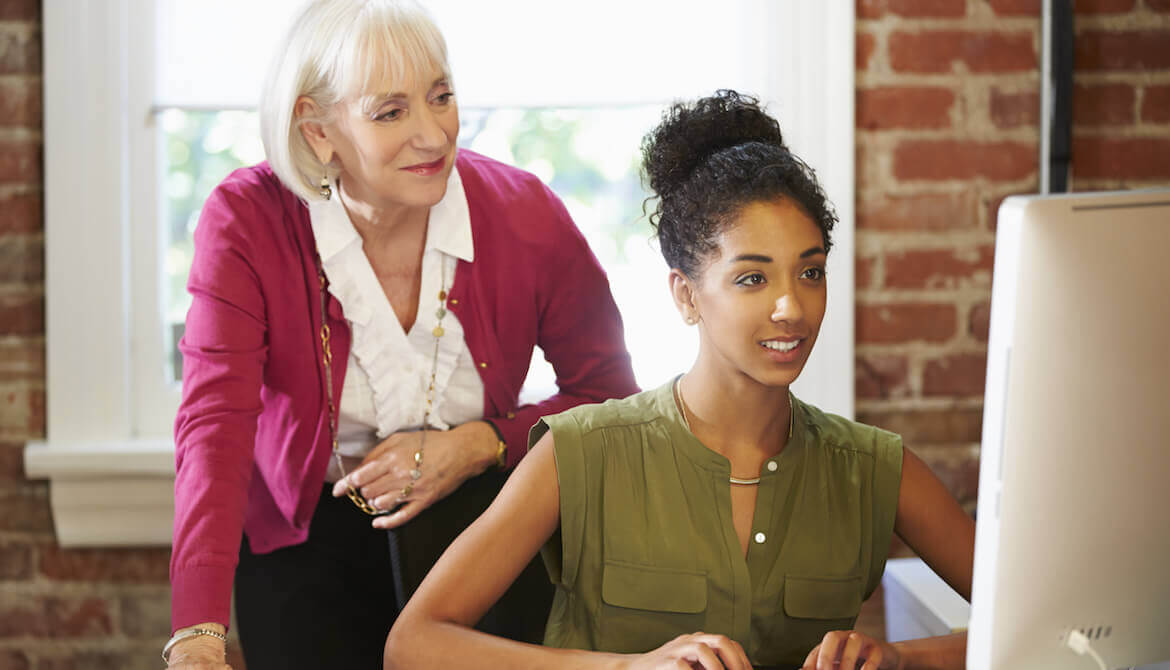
<point x="326" y="190"/>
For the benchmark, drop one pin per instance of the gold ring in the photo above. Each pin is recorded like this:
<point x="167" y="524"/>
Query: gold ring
<point x="406" y="491"/>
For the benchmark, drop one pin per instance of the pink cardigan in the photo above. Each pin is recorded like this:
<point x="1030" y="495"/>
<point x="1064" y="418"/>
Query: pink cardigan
<point x="252" y="433"/>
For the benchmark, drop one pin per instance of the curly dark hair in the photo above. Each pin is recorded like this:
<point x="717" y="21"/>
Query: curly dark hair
<point x="709" y="159"/>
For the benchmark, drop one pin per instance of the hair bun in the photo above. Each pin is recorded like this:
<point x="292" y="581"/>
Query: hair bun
<point x="691" y="132"/>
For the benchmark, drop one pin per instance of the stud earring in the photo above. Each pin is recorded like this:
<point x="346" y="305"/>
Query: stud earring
<point x="691" y="320"/>
<point x="326" y="190"/>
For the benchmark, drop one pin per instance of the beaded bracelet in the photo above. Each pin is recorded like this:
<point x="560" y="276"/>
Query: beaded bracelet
<point x="190" y="632"/>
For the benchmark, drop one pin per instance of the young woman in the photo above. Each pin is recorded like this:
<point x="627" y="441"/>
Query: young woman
<point x="718" y="502"/>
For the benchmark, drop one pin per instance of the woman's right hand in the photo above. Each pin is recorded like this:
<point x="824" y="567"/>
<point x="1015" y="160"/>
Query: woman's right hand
<point x="198" y="653"/>
<point x="697" y="650"/>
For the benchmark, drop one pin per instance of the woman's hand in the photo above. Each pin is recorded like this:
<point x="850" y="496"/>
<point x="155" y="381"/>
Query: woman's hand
<point x="697" y="650"/>
<point x="450" y="458"/>
<point x="850" y="650"/>
<point x="198" y="653"/>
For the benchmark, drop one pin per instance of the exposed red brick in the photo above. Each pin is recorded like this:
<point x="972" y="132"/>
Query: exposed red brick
<point x="105" y="565"/>
<point x="20" y="161"/>
<point x="1104" y="6"/>
<point x="870" y="9"/>
<point x="22" y="359"/>
<point x="22" y="259"/>
<point x="15" y="561"/>
<point x="882" y="376"/>
<point x="20" y="10"/>
<point x="11" y="462"/>
<point x="875" y="9"/>
<point x="20" y="103"/>
<point x="980" y="52"/>
<point x="26" y="508"/>
<point x="920" y="211"/>
<point x="146" y="616"/>
<point x="22" y="413"/>
<point x="1141" y="50"/>
<point x="1015" y="110"/>
<point x="905" y="322"/>
<point x="80" y="617"/>
<point x="949" y="426"/>
<point x="959" y="159"/>
<point x="958" y="471"/>
<point x="22" y="314"/>
<point x="91" y="659"/>
<point x="956" y="375"/>
<point x="979" y="321"/>
<point x="21" y="213"/>
<point x="55" y="617"/>
<point x="20" y="52"/>
<point x="23" y="616"/>
<point x="866" y="43"/>
<point x="1016" y="7"/>
<point x="1121" y="158"/>
<point x="14" y="660"/>
<point x="940" y="268"/>
<point x="904" y="107"/>
<point x="1156" y="103"/>
<point x="863" y="272"/>
<point x="1104" y="104"/>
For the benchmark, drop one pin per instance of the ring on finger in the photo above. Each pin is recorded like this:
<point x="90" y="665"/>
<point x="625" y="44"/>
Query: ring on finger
<point x="407" y="491"/>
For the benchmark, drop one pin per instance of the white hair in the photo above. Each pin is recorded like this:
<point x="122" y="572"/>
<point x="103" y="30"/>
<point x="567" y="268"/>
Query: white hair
<point x="334" y="50"/>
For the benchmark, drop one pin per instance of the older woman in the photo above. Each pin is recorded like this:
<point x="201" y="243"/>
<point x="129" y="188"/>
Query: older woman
<point x="365" y="307"/>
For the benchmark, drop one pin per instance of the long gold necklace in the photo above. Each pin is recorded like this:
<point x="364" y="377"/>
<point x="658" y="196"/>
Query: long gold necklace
<point x="682" y="408"/>
<point x="327" y="358"/>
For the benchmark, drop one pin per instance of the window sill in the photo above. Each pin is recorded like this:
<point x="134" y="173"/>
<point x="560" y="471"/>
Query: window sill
<point x="107" y="494"/>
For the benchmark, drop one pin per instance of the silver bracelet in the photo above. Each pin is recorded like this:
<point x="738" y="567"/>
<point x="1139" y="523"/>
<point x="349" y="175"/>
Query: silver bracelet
<point x="191" y="632"/>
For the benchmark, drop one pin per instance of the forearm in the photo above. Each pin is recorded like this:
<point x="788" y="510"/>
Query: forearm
<point x="416" y="642"/>
<point x="946" y="652"/>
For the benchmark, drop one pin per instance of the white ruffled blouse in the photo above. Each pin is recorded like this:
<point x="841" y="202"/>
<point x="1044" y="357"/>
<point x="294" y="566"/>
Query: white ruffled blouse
<point x="388" y="370"/>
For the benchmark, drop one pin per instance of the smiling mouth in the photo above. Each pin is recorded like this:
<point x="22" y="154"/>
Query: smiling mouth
<point x="780" y="345"/>
<point x="427" y="168"/>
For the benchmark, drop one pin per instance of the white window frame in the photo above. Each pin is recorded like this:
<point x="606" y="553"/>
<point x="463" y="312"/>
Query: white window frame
<point x="108" y="452"/>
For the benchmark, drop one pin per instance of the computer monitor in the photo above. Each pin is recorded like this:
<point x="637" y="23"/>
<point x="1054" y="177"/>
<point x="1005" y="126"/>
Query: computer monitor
<point x="1073" y="523"/>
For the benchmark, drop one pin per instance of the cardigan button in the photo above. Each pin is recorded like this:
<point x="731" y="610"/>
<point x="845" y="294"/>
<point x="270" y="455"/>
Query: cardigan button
<point x="483" y="364"/>
<point x="772" y="466"/>
<point x="454" y="301"/>
<point x="511" y="415"/>
<point x="760" y="538"/>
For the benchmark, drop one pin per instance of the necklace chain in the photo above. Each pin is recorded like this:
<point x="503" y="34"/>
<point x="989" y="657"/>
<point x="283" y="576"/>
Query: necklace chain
<point x="327" y="359"/>
<point x="682" y="408"/>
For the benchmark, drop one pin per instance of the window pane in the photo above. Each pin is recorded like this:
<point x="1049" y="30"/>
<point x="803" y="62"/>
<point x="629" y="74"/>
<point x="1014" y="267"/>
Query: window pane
<point x="588" y="156"/>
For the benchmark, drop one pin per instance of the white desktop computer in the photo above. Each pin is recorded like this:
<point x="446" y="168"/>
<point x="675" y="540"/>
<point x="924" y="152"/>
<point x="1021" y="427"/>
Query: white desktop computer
<point x="1073" y="523"/>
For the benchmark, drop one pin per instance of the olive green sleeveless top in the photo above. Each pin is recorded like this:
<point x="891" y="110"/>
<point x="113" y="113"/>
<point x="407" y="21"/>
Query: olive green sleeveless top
<point x="646" y="549"/>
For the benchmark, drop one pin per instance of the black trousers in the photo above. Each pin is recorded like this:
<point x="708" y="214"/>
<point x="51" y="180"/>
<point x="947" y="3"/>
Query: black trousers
<point x="330" y="602"/>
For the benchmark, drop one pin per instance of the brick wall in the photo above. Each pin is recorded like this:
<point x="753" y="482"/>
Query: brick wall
<point x="59" y="609"/>
<point x="947" y="126"/>
<point x="947" y="98"/>
<point x="948" y="95"/>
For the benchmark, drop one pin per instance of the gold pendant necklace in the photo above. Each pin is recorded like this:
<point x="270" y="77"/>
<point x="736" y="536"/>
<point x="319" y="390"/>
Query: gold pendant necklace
<point x="682" y="408"/>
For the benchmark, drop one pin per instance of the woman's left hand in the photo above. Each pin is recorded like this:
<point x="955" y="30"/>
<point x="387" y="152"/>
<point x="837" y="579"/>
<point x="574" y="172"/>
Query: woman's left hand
<point x="450" y="458"/>
<point x="850" y="650"/>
